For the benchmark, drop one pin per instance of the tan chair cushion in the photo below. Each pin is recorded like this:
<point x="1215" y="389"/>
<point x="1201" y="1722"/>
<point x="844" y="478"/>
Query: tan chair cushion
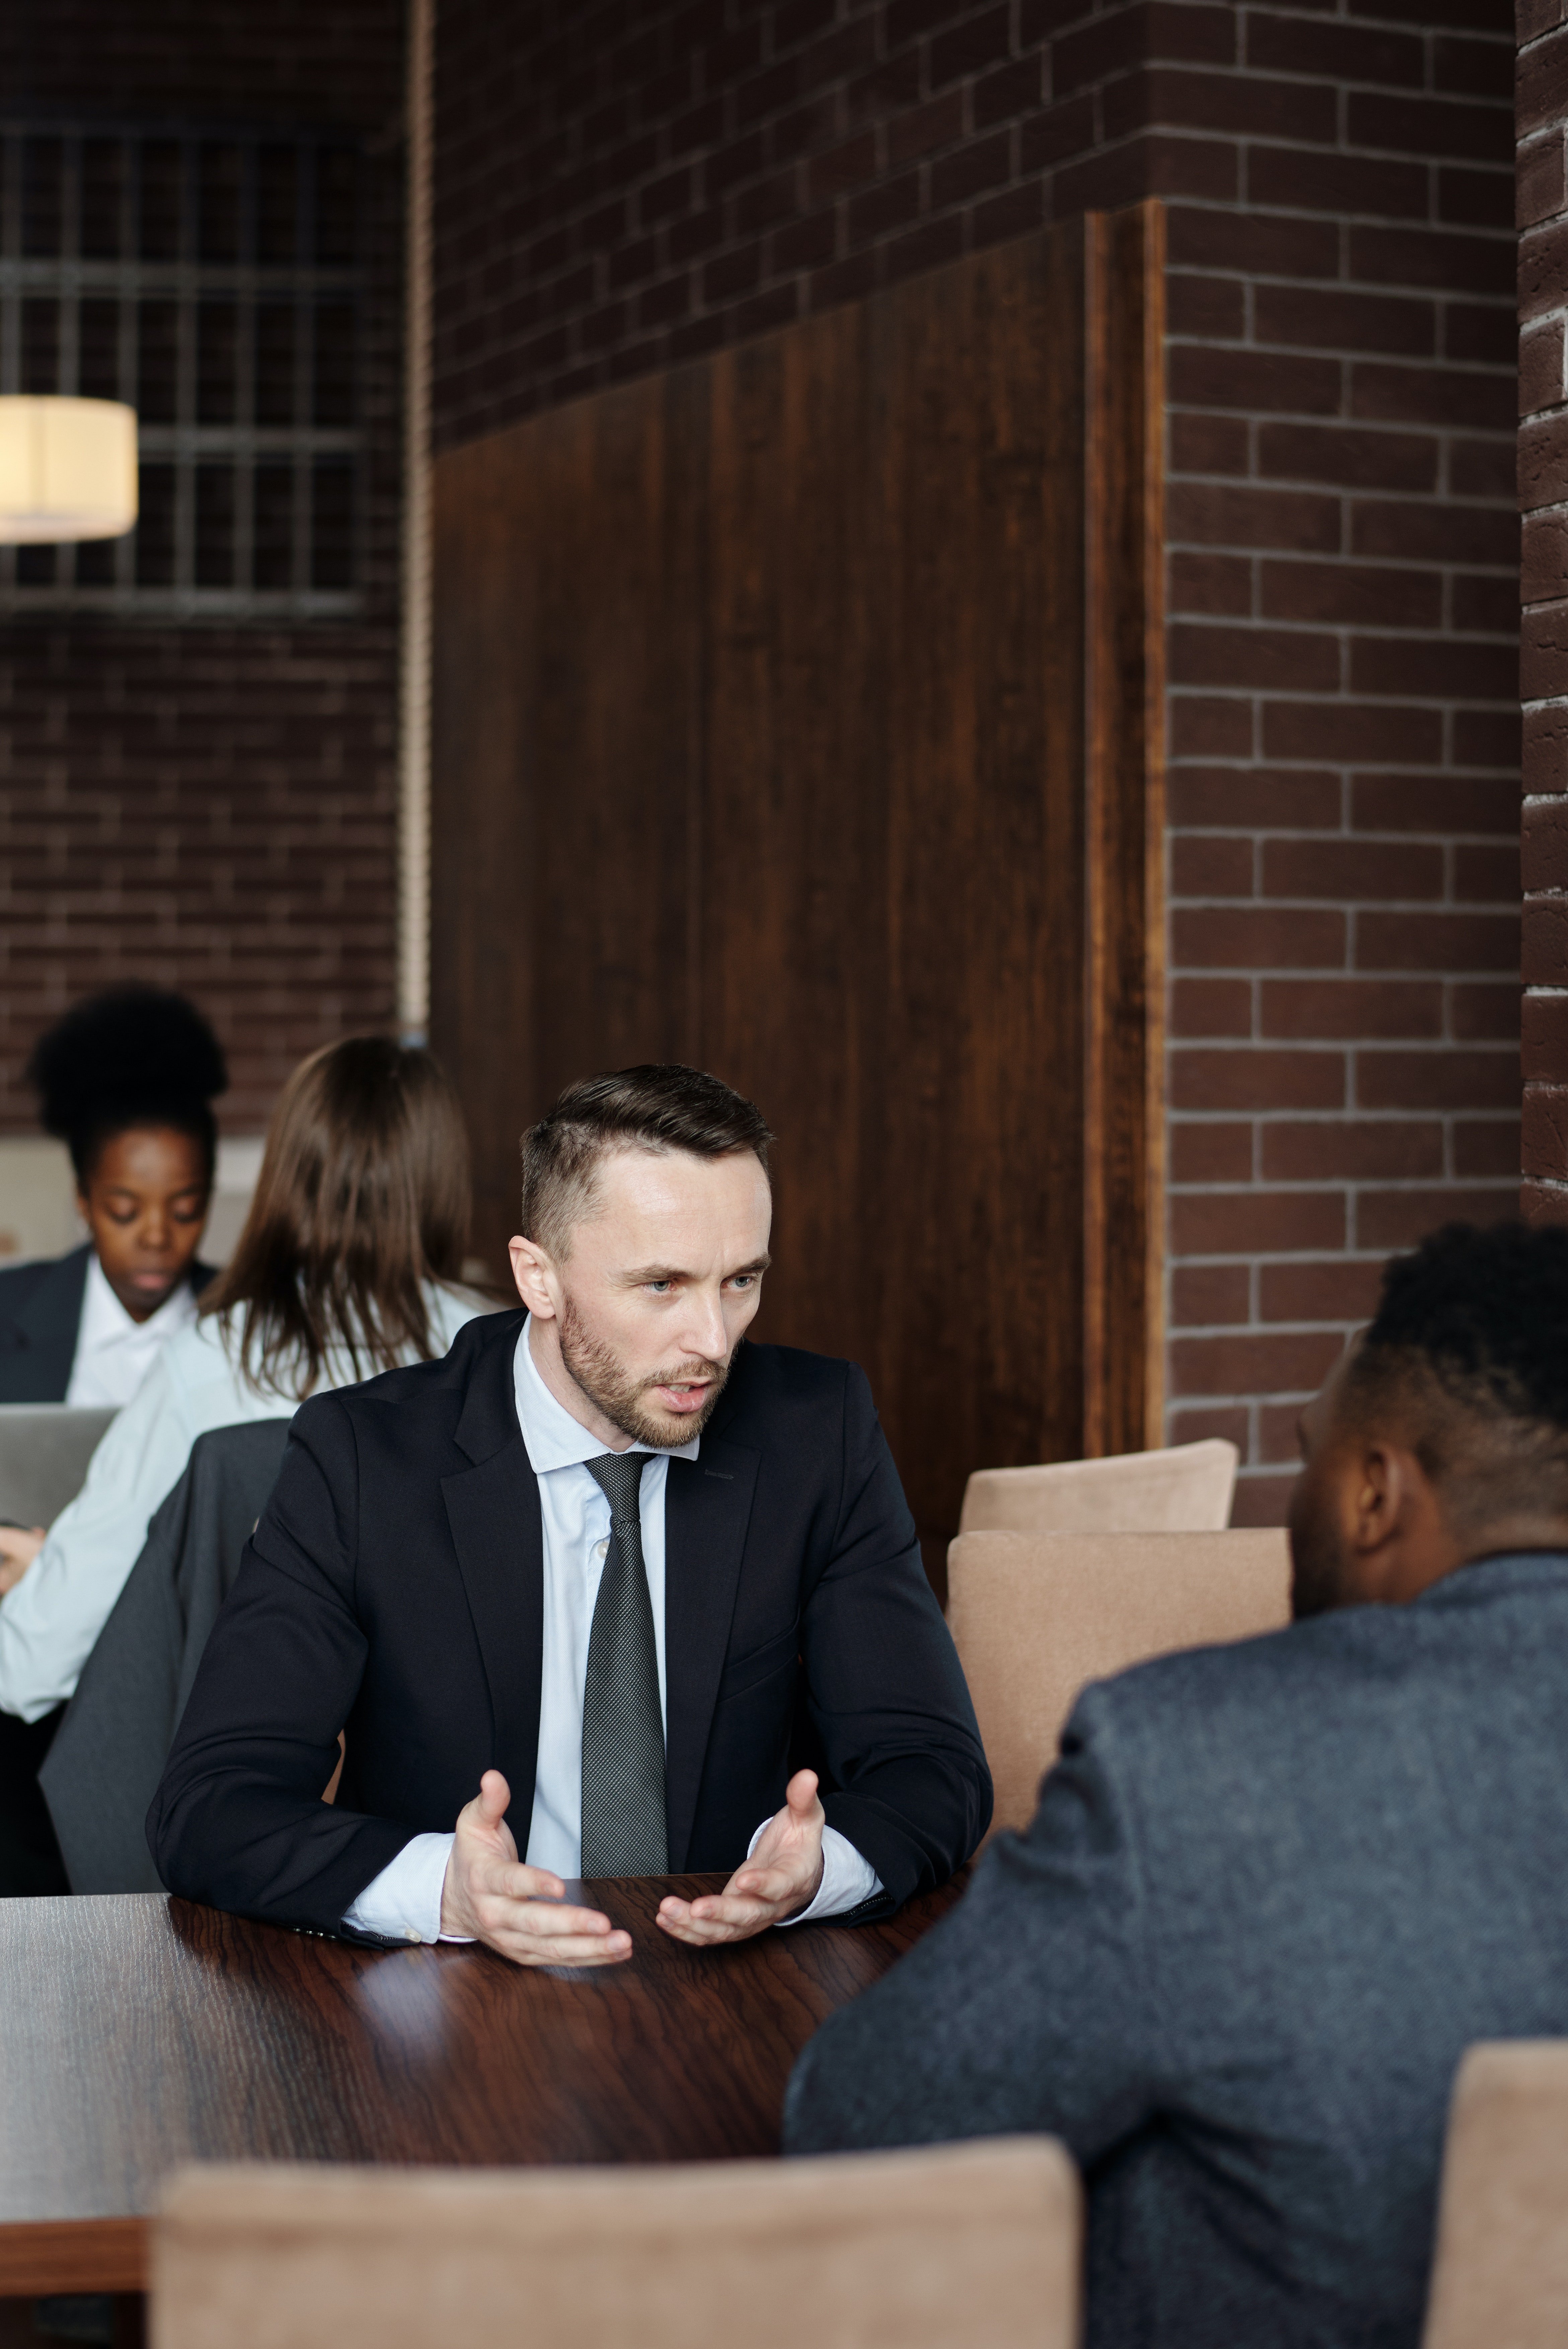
<point x="937" y="2249"/>
<point x="1500" y="2280"/>
<point x="1036" y="1616"/>
<point x="1186" y="1489"/>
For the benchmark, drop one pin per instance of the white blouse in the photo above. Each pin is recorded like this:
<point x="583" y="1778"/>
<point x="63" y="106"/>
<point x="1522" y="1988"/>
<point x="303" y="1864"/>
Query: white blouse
<point x="49" y="1622"/>
<point x="113" y="1352"/>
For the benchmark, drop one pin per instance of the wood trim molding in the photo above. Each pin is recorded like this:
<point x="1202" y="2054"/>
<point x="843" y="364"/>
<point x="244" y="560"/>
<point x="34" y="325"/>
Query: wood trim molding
<point x="1124" y="775"/>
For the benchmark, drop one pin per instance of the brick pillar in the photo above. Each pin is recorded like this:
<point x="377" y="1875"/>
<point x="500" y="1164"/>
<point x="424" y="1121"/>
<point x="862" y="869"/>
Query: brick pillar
<point x="1541" y="119"/>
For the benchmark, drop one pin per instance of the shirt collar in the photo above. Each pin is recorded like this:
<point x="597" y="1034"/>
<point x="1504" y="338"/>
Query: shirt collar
<point x="105" y="1321"/>
<point x="554" y="1438"/>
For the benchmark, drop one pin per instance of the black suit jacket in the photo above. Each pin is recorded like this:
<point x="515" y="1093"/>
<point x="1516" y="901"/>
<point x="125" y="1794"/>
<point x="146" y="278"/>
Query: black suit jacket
<point x="40" y="1313"/>
<point x="394" y="1589"/>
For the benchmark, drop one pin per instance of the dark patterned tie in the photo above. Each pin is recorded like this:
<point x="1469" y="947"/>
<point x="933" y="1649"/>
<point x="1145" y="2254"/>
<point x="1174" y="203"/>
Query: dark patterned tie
<point x="623" y="1730"/>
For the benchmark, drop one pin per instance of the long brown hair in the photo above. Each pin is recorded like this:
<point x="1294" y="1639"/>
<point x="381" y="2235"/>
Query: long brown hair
<point x="363" y="1198"/>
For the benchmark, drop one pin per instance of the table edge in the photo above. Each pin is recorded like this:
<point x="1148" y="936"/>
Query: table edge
<point x="40" y="2256"/>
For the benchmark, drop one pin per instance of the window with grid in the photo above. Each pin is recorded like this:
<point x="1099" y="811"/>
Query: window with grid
<point x="213" y="280"/>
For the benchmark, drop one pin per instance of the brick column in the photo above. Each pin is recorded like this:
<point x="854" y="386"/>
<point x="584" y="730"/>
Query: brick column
<point x="1542" y="117"/>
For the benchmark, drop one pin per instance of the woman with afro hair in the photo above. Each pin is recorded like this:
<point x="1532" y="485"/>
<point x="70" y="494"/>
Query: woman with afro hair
<point x="127" y="1082"/>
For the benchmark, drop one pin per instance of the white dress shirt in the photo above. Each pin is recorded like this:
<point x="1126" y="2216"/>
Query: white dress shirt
<point x="404" y="1900"/>
<point x="49" y="1622"/>
<point x="115" y="1353"/>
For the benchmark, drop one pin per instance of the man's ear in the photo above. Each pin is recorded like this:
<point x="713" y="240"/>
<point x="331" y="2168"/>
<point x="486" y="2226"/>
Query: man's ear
<point x="1378" y="1492"/>
<point x="534" y="1275"/>
<point x="1396" y="1524"/>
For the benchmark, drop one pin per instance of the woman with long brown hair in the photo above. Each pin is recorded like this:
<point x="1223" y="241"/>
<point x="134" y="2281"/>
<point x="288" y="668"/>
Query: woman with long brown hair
<point x="347" y="1265"/>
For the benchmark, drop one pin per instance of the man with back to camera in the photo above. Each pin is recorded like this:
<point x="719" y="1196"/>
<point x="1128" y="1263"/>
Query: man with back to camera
<point x="604" y="1584"/>
<point x="1272" y="1891"/>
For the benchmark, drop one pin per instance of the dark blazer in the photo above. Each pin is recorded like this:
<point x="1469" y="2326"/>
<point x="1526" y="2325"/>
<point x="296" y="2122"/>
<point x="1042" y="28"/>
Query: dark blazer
<point x="394" y="1589"/>
<point x="1270" y="1895"/>
<point x="40" y="1313"/>
<point x="105" y="1762"/>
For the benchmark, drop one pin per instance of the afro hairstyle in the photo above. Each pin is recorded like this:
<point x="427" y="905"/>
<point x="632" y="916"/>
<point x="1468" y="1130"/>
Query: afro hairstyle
<point x="136" y="1056"/>
<point x="1470" y="1347"/>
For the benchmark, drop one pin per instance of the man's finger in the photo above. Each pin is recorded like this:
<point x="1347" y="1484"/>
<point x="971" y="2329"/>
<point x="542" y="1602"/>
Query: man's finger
<point x="495" y="1798"/>
<point x="800" y="1797"/>
<point x="512" y="1880"/>
<point x="706" y="1932"/>
<point x="725" y="1910"/>
<point x="769" y="1884"/>
<point x="575" y="1949"/>
<point x="543" y="1919"/>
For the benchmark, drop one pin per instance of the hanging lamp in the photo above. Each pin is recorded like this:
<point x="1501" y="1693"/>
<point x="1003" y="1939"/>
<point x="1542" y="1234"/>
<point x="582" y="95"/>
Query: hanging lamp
<point x="67" y="469"/>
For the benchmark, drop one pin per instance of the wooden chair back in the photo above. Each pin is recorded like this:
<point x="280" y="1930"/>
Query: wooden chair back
<point x="1187" y="1488"/>
<point x="934" y="2248"/>
<point x="1500" y="2278"/>
<point x="1038" y="1616"/>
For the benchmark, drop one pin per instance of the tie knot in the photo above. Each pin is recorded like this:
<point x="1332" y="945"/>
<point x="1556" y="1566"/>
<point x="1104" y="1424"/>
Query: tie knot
<point x="618" y="1475"/>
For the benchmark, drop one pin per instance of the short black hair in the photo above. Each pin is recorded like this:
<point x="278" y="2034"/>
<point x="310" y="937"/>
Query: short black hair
<point x="659" y="1105"/>
<point x="134" y="1056"/>
<point x="1470" y="1343"/>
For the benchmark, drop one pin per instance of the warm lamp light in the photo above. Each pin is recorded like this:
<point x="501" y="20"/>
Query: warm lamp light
<point x="68" y="469"/>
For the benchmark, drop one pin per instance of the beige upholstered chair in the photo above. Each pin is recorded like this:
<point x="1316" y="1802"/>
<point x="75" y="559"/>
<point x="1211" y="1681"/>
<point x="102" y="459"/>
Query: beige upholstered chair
<point x="1500" y="2280"/>
<point x="1035" y="1616"/>
<point x="1184" y="1490"/>
<point x="937" y="2249"/>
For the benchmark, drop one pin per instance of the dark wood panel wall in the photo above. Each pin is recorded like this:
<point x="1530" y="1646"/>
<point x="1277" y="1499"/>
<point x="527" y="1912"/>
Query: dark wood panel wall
<point x="796" y="714"/>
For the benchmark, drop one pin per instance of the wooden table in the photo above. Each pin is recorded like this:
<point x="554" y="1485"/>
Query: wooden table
<point x="138" y="2032"/>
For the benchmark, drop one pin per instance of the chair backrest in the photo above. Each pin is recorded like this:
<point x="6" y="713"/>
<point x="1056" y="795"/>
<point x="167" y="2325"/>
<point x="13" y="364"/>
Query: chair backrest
<point x="1500" y="2280"/>
<point x="44" y="1448"/>
<point x="107" y="1755"/>
<point x="1036" y="1616"/>
<point x="1186" y="1489"/>
<point x="935" y="2249"/>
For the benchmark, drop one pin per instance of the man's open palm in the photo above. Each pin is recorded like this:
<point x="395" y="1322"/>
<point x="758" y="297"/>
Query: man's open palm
<point x="779" y="1880"/>
<point x="489" y="1895"/>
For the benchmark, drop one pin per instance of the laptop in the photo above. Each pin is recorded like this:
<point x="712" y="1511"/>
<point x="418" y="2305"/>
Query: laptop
<point x="44" y="1448"/>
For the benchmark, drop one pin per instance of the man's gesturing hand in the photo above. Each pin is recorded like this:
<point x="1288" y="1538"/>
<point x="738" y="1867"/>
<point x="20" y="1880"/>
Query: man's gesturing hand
<point x="779" y="1880"/>
<point x="490" y="1896"/>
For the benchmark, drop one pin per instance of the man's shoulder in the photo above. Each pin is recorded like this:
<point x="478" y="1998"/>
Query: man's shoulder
<point x="1324" y="1696"/>
<point x="770" y="1385"/>
<point x="430" y="1395"/>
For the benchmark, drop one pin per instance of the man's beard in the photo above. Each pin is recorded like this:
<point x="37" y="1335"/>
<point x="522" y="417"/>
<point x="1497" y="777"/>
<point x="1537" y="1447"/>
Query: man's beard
<point x="1319" y="1579"/>
<point x="609" y="1385"/>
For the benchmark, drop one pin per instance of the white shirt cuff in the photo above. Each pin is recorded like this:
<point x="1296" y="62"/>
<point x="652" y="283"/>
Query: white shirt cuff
<point x="847" y="1878"/>
<point x="403" y="1903"/>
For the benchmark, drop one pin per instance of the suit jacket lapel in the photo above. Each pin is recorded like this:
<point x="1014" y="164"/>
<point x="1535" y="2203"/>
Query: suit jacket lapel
<point x="707" y="1507"/>
<point x="48" y="1324"/>
<point x="493" y="1509"/>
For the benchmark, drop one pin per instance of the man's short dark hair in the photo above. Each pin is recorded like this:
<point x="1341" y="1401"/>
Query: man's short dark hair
<point x="659" y="1106"/>
<point x="1469" y="1348"/>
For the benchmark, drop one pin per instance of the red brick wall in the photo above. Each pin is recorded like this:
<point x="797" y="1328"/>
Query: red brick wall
<point x="1344" y="722"/>
<point x="1542" y="119"/>
<point x="212" y="808"/>
<point x="622" y="185"/>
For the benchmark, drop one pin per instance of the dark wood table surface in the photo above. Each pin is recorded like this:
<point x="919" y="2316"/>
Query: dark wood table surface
<point x="139" y="2032"/>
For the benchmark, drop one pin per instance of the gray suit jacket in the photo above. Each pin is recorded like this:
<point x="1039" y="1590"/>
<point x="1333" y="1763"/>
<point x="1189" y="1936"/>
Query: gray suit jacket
<point x="107" y="1756"/>
<point x="1271" y="1893"/>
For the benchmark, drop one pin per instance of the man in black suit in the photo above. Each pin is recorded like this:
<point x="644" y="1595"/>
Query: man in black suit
<point x="1273" y="1890"/>
<point x="604" y="1584"/>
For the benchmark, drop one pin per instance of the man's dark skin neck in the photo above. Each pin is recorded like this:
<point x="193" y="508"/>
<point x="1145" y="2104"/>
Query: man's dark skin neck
<point x="1368" y="1524"/>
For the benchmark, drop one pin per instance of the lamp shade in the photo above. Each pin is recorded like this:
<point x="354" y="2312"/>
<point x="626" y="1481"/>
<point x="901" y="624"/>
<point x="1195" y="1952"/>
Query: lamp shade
<point x="68" y="469"/>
